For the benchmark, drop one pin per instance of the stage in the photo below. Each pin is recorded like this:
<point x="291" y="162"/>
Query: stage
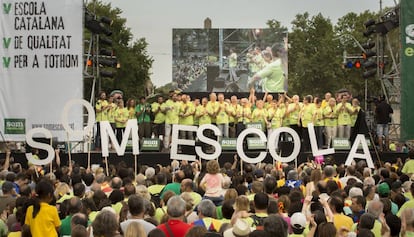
<point x="163" y="158"/>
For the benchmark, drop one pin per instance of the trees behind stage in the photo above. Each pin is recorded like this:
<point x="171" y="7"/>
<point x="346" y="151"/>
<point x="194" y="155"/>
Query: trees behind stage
<point x="131" y="54"/>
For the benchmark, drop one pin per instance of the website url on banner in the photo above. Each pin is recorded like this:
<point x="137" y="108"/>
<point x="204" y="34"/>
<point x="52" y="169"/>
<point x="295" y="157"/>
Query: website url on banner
<point x="52" y="126"/>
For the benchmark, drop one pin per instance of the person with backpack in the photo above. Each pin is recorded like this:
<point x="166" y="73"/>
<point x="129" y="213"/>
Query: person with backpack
<point x="261" y="202"/>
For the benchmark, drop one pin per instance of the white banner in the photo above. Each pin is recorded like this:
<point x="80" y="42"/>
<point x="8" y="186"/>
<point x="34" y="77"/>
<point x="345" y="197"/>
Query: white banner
<point x="41" y="65"/>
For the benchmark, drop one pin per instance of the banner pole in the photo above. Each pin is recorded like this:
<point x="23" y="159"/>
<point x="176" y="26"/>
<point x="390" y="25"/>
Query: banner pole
<point x="51" y="163"/>
<point x="69" y="150"/>
<point x="136" y="164"/>
<point x="89" y="148"/>
<point x="106" y="166"/>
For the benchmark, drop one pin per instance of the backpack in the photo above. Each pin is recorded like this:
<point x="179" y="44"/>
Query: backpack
<point x="156" y="198"/>
<point x="258" y="221"/>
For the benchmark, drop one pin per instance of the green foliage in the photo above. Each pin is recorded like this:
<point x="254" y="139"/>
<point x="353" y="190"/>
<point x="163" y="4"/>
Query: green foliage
<point x="314" y="62"/>
<point x="132" y="57"/>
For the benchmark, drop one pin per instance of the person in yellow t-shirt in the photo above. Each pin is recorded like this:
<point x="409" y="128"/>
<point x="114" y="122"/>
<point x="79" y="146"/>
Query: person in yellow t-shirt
<point x="354" y="115"/>
<point x="171" y="109"/>
<point x="259" y="115"/>
<point x="306" y="115"/>
<point x="158" y="125"/>
<point x="344" y="111"/>
<point x="330" y="121"/>
<point x="101" y="108"/>
<point x="244" y="115"/>
<point x="111" y="112"/>
<point x="186" y="113"/>
<point x="121" y="118"/>
<point x="325" y="101"/>
<point x="131" y="104"/>
<point x="233" y="108"/>
<point x="42" y="218"/>
<point x="213" y="106"/>
<point x="340" y="220"/>
<point x="318" y="122"/>
<point x="222" y="115"/>
<point x="292" y="114"/>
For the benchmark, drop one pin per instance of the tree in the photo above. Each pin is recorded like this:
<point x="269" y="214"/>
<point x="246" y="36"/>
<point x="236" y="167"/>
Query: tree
<point x="133" y="58"/>
<point x="314" y="56"/>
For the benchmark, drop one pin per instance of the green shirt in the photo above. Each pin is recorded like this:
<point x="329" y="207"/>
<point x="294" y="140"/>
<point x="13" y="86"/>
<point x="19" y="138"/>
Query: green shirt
<point x="331" y="119"/>
<point x="222" y="113"/>
<point x="186" y="113"/>
<point x="213" y="106"/>
<point x="172" y="110"/>
<point x="121" y="117"/>
<point x="101" y="115"/>
<point x="408" y="167"/>
<point x="111" y="113"/>
<point x="144" y="111"/>
<point x="344" y="115"/>
<point x="159" y="116"/>
<point x="259" y="116"/>
<point x="318" y="117"/>
<point x="202" y="112"/>
<point x="307" y="114"/>
<point x="293" y="115"/>
<point x="273" y="77"/>
<point x="233" y="60"/>
<point x="65" y="227"/>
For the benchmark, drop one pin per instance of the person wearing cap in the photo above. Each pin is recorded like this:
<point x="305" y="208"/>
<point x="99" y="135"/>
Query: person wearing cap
<point x="240" y="229"/>
<point x="384" y="192"/>
<point x="298" y="225"/>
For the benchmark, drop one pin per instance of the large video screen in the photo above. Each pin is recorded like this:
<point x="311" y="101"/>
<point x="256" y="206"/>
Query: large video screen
<point x="230" y="60"/>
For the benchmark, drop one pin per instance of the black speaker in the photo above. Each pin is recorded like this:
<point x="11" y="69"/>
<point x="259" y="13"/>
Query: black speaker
<point x="213" y="72"/>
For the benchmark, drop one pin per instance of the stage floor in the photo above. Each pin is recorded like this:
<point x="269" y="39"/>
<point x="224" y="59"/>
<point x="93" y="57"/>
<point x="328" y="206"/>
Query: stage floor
<point x="163" y="158"/>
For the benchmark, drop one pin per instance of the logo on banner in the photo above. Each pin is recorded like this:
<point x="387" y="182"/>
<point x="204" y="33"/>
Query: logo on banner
<point x="14" y="126"/>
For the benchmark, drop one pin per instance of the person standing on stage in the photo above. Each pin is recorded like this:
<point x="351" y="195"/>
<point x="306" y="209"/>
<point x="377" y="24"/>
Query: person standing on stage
<point x="121" y="119"/>
<point x="222" y="115"/>
<point x="171" y="108"/>
<point x="186" y="113"/>
<point x="354" y="116"/>
<point x="318" y="121"/>
<point x="344" y="111"/>
<point x="233" y="65"/>
<point x="101" y="108"/>
<point x="259" y="115"/>
<point x="158" y="125"/>
<point x="234" y="107"/>
<point x="383" y="113"/>
<point x="131" y="105"/>
<point x="213" y="106"/>
<point x="143" y="111"/>
<point x="306" y="115"/>
<point x="292" y="114"/>
<point x="203" y="112"/>
<point x="331" y="121"/>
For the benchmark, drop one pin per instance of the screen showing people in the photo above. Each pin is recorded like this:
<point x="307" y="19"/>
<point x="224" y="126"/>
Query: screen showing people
<point x="230" y="60"/>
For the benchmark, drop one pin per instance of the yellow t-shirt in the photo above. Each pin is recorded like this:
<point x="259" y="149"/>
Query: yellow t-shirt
<point x="341" y="220"/>
<point x="46" y="221"/>
<point x="102" y="115"/>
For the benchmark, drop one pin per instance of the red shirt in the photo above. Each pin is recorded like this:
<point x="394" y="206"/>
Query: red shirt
<point x="178" y="228"/>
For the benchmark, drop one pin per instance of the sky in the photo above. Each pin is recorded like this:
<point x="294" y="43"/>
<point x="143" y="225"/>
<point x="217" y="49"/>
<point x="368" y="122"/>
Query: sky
<point x="155" y="19"/>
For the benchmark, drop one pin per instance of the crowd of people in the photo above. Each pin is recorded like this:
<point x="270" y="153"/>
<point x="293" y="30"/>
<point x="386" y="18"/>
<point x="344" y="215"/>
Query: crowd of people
<point x="185" y="71"/>
<point x="205" y="199"/>
<point x="333" y="116"/>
